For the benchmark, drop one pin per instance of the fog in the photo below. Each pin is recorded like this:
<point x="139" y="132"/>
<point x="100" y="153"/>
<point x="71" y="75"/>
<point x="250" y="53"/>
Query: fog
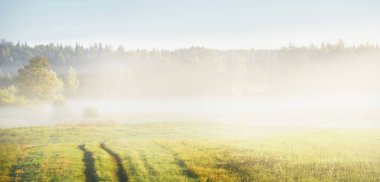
<point x="327" y="86"/>
<point x="339" y="111"/>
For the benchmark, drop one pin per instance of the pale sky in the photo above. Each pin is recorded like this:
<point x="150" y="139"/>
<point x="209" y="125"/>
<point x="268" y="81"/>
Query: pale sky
<point x="171" y="24"/>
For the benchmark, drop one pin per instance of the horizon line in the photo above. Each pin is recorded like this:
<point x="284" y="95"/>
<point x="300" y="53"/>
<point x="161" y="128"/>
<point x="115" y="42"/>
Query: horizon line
<point x="114" y="47"/>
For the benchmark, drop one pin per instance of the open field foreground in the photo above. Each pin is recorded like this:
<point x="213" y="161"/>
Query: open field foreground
<point x="188" y="152"/>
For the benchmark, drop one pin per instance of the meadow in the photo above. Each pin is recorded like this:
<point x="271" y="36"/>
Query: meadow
<point x="188" y="151"/>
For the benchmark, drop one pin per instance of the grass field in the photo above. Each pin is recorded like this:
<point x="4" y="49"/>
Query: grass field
<point x="188" y="152"/>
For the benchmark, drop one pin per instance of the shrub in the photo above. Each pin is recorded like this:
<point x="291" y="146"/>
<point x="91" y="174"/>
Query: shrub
<point x="90" y="112"/>
<point x="8" y="97"/>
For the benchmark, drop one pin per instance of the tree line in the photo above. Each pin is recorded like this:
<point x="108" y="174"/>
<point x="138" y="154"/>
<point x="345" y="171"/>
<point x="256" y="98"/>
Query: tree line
<point x="15" y="55"/>
<point x="98" y="70"/>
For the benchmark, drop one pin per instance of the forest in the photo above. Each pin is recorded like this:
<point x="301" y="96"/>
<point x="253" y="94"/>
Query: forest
<point x="102" y="71"/>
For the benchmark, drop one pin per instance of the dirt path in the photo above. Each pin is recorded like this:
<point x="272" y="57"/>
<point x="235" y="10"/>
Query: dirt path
<point x="89" y="163"/>
<point x="122" y="175"/>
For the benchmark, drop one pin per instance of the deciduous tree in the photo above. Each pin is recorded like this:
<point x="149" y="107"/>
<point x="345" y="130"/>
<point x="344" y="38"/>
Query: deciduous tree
<point x="36" y="81"/>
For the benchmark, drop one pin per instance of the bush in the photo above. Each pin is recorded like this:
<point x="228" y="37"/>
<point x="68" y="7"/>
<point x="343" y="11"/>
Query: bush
<point x="90" y="112"/>
<point x="8" y="97"/>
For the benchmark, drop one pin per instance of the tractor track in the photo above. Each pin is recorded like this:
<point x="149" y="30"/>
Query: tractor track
<point x="89" y="163"/>
<point x="122" y="175"/>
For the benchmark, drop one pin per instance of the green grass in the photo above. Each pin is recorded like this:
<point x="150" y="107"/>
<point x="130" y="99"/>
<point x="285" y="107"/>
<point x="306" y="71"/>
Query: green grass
<point x="188" y="152"/>
<point x="9" y="155"/>
<point x="52" y="162"/>
<point x="326" y="156"/>
<point x="105" y="167"/>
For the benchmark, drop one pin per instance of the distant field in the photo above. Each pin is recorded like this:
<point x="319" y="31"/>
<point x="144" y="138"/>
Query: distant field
<point x="188" y="152"/>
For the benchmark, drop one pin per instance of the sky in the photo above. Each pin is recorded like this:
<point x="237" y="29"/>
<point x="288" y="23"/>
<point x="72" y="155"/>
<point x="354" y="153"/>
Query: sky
<point x="173" y="24"/>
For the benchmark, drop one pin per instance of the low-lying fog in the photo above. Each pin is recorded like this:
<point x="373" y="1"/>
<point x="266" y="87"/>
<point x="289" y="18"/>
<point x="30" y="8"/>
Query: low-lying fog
<point x="320" y="111"/>
<point x="327" y="86"/>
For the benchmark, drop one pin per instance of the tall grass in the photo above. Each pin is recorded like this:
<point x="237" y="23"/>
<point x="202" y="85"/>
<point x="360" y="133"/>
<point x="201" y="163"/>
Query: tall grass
<point x="189" y="152"/>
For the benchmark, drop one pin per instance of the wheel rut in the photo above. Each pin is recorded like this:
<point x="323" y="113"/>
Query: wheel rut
<point x="122" y="175"/>
<point x="89" y="164"/>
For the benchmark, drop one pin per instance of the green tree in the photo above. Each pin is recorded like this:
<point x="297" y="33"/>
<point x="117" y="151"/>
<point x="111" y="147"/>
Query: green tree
<point x="71" y="82"/>
<point x="36" y="81"/>
<point x="8" y="97"/>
